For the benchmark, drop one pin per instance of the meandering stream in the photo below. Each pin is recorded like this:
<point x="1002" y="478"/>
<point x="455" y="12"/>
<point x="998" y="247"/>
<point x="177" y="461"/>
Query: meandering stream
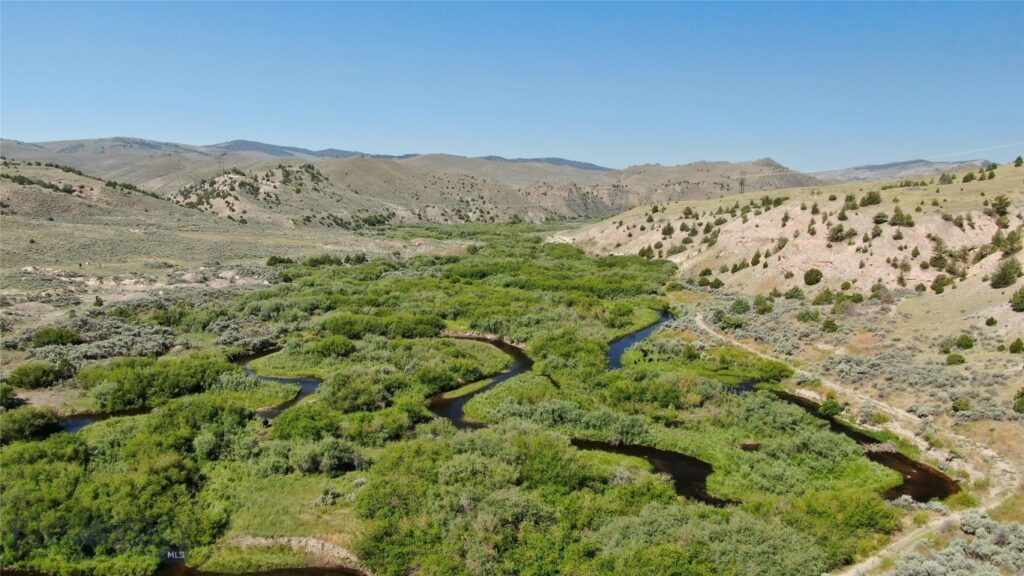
<point x="920" y="481"/>
<point x="689" y="474"/>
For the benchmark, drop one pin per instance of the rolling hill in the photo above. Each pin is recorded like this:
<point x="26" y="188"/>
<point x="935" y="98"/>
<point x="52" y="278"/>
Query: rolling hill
<point x="943" y="241"/>
<point x="894" y="170"/>
<point x="250" y="181"/>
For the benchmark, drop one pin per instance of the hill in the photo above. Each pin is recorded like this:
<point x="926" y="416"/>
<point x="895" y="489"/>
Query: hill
<point x="58" y="219"/>
<point x="940" y="242"/>
<point x="896" y="170"/>
<point x="250" y="181"/>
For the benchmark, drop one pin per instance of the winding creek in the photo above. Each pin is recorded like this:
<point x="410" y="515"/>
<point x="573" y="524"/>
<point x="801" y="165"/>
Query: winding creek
<point x="921" y="481"/>
<point x="689" y="474"/>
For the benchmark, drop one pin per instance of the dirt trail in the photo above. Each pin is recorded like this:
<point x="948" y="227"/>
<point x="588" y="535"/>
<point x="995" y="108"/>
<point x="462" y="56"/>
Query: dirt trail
<point x="1005" y="477"/>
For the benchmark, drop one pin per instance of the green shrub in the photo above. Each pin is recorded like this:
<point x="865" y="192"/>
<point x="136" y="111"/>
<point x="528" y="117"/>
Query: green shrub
<point x="990" y="321"/>
<point x="872" y="198"/>
<point x="54" y="335"/>
<point x="396" y="325"/>
<point x="830" y="407"/>
<point x="740" y="306"/>
<point x="964" y="342"/>
<point x="38" y="374"/>
<point x="329" y="456"/>
<point x="808" y="315"/>
<point x="962" y="404"/>
<point x="1017" y="346"/>
<point x="812" y="277"/>
<point x="306" y="422"/>
<point x="1018" y="401"/>
<point x="134" y="382"/>
<point x="1017" y="301"/>
<point x="25" y="423"/>
<point x="940" y="282"/>
<point x="334" y="347"/>
<point x="763" y="305"/>
<point x="7" y="397"/>
<point x="954" y="359"/>
<point x="1006" y="274"/>
<point x="279" y="260"/>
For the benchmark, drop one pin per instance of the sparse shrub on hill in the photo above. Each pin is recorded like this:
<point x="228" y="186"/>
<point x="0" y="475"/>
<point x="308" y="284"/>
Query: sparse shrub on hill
<point x="812" y="276"/>
<point x="900" y="218"/>
<point x="279" y="260"/>
<point x="964" y="342"/>
<point x="794" y="293"/>
<point x="989" y="548"/>
<point x="962" y="404"/>
<point x="740" y="306"/>
<point x="872" y="198"/>
<point x="954" y="359"/>
<point x="940" y="282"/>
<point x="1017" y="301"/>
<point x="763" y="305"/>
<point x="1017" y="346"/>
<point x="1006" y="274"/>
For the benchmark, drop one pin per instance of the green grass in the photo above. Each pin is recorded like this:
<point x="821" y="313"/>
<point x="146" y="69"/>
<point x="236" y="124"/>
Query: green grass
<point x="467" y="389"/>
<point x="228" y="559"/>
<point x="285" y="505"/>
<point x="267" y="395"/>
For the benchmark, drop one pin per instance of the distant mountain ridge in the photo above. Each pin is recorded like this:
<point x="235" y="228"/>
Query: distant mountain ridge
<point x="295" y="186"/>
<point x="297" y="152"/>
<point x="895" y="170"/>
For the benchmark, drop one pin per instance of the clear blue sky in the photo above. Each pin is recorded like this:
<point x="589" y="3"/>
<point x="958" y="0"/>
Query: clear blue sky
<point x="815" y="86"/>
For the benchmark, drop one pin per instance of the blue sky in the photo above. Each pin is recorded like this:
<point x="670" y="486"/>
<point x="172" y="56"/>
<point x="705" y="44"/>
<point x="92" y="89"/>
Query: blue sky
<point x="814" y="86"/>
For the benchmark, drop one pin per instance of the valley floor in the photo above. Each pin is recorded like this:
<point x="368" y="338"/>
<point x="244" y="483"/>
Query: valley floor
<point x="362" y="472"/>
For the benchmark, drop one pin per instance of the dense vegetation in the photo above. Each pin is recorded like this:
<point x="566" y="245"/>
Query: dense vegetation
<point x="364" y="460"/>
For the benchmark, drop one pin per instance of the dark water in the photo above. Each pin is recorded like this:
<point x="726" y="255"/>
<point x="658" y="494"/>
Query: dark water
<point x="453" y="408"/>
<point x="180" y="569"/>
<point x="689" y="474"/>
<point x="619" y="346"/>
<point x="307" y="386"/>
<point x="921" y="481"/>
<point x="76" y="422"/>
